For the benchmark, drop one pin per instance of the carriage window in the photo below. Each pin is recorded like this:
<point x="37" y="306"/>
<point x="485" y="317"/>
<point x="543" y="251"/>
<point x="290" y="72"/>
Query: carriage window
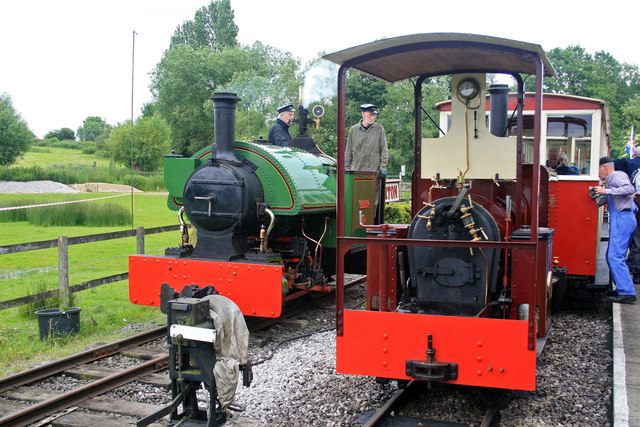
<point x="569" y="134"/>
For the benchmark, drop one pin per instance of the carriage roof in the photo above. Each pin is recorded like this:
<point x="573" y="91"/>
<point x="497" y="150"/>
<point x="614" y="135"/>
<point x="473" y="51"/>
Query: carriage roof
<point x="400" y="58"/>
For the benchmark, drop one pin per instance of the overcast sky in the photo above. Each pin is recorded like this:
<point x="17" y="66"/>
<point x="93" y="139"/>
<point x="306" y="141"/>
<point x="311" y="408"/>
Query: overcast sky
<point x="64" y="60"/>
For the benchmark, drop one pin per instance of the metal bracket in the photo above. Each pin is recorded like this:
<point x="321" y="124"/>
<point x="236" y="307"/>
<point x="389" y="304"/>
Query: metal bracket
<point x="432" y="371"/>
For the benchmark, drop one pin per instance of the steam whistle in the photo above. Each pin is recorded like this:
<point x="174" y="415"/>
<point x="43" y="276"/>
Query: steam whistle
<point x="303" y="140"/>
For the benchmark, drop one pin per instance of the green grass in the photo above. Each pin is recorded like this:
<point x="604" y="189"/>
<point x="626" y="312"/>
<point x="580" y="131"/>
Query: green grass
<point x="105" y="309"/>
<point x="60" y="157"/>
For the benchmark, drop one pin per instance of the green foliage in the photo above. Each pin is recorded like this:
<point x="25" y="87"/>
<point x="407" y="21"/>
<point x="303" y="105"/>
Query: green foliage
<point x="36" y="149"/>
<point x="55" y="143"/>
<point x="89" y="149"/>
<point x="15" y="136"/>
<point x="74" y="176"/>
<point x="597" y="76"/>
<point x="212" y="27"/>
<point x="151" y="140"/>
<point x="185" y="79"/>
<point x="62" y="134"/>
<point x="397" y="213"/>
<point x="631" y="113"/>
<point x="92" y="127"/>
<point x="74" y="214"/>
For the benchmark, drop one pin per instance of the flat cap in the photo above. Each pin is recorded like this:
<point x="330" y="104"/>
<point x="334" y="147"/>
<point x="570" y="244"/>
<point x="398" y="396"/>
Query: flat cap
<point x="605" y="160"/>
<point x="288" y="107"/>
<point x="369" y="107"/>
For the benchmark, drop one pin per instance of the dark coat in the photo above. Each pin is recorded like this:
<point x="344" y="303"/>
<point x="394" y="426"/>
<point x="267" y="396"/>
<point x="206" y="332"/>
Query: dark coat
<point x="279" y="134"/>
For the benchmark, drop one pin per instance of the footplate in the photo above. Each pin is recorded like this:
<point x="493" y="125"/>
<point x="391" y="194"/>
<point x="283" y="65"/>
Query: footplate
<point x="432" y="371"/>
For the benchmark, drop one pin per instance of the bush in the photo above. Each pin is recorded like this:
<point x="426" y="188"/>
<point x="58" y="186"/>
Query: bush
<point x="89" y="149"/>
<point x="68" y="144"/>
<point x="397" y="213"/>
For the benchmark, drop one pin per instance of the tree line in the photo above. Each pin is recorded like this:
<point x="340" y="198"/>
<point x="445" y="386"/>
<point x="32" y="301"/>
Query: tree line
<point x="204" y="57"/>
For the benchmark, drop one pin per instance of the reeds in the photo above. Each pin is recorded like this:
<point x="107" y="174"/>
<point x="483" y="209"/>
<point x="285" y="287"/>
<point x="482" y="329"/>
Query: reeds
<point x="85" y="214"/>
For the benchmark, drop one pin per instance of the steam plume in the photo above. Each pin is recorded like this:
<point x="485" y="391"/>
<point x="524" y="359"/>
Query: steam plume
<point x="320" y="82"/>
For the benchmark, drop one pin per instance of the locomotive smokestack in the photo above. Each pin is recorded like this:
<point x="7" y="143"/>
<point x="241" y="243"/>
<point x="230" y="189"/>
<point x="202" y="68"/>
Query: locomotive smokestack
<point x="224" y="121"/>
<point x="499" y="105"/>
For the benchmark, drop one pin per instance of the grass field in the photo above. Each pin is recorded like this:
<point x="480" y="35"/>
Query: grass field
<point x="106" y="310"/>
<point x="59" y="157"/>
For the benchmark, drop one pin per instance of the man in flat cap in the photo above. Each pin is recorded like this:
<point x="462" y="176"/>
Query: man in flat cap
<point x="366" y="148"/>
<point x="279" y="132"/>
<point x="622" y="224"/>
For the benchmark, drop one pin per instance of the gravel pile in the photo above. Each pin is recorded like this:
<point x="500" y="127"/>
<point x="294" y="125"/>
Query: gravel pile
<point x="35" y="187"/>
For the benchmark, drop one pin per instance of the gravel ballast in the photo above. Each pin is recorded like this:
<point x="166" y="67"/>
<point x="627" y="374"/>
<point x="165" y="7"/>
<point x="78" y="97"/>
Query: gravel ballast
<point x="295" y="381"/>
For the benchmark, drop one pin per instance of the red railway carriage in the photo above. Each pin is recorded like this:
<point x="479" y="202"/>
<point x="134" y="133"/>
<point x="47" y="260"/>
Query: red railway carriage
<point x="463" y="293"/>
<point x="578" y="127"/>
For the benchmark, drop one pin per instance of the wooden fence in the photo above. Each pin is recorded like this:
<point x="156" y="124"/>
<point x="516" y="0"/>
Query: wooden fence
<point x="62" y="243"/>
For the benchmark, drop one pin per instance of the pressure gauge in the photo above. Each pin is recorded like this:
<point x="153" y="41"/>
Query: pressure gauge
<point x="468" y="88"/>
<point x="318" y="110"/>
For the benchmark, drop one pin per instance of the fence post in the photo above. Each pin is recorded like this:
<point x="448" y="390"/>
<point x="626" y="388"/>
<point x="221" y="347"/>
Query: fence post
<point x="140" y="240"/>
<point x="63" y="270"/>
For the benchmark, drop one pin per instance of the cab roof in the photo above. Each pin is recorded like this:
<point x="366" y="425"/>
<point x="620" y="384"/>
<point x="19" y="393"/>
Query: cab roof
<point x="400" y="58"/>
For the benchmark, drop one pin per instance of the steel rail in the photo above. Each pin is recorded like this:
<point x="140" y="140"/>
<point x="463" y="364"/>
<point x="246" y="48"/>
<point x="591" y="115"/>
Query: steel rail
<point x="65" y="400"/>
<point x="393" y="404"/>
<point x="52" y="368"/>
<point x="291" y="309"/>
<point x="384" y="416"/>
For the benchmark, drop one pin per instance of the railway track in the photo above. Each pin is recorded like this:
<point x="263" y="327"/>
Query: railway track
<point x="390" y="413"/>
<point x="49" y="406"/>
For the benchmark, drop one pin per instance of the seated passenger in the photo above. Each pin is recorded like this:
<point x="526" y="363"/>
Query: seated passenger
<point x="553" y="158"/>
<point x="566" y="168"/>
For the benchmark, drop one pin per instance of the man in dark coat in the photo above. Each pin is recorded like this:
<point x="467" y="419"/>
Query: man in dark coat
<point x="279" y="132"/>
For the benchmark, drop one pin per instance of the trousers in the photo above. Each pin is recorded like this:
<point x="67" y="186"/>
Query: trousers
<point x="621" y="227"/>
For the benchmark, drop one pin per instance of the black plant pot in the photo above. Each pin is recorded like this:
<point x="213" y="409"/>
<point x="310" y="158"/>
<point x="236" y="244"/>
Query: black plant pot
<point x="52" y="321"/>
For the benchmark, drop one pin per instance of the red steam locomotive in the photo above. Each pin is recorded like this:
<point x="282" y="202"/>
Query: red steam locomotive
<point x="463" y="294"/>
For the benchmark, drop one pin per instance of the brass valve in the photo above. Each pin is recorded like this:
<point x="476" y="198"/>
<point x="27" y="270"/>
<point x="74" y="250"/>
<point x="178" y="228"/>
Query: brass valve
<point x="431" y="216"/>
<point x="262" y="234"/>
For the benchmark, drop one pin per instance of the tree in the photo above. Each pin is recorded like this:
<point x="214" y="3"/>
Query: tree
<point x="597" y="76"/>
<point x="62" y="134"/>
<point x="185" y="78"/>
<point x="15" y="136"/>
<point x="151" y="140"/>
<point x="92" y="127"/>
<point x="631" y="113"/>
<point x="212" y="27"/>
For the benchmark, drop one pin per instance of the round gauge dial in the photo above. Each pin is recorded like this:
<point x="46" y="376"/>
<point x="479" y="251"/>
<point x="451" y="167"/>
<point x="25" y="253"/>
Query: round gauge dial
<point x="318" y="110"/>
<point x="468" y="88"/>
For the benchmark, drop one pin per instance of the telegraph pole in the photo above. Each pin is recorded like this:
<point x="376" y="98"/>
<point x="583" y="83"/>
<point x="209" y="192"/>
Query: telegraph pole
<point x="133" y="55"/>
